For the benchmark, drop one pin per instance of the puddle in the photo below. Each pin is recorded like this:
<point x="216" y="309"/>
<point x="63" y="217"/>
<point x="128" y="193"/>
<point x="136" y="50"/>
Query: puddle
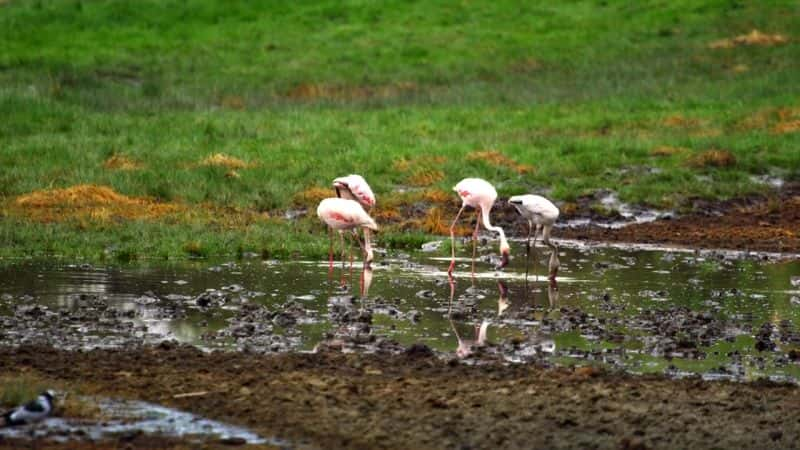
<point x="721" y="315"/>
<point x="630" y="214"/>
<point x="124" y="418"/>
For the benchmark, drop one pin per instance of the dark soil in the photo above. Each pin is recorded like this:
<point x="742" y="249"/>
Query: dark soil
<point x="757" y="223"/>
<point x="414" y="400"/>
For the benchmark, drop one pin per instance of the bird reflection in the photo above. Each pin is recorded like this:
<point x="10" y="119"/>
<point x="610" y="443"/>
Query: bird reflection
<point x="502" y="303"/>
<point x="467" y="346"/>
<point x="553" y="293"/>
<point x="366" y="281"/>
<point x="476" y="337"/>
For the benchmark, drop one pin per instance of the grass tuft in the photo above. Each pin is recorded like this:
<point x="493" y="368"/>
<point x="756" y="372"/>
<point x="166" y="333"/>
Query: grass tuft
<point x="121" y="162"/>
<point x="712" y="158"/>
<point x="754" y="37"/>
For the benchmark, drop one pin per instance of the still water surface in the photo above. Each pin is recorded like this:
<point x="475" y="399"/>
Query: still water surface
<point x="677" y="312"/>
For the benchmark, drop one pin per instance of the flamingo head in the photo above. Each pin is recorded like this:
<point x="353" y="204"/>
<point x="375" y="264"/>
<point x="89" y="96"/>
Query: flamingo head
<point x="505" y="254"/>
<point x="517" y="202"/>
<point x="339" y="186"/>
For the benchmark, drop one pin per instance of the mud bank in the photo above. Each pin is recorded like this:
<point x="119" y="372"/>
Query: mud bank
<point x="415" y="400"/>
<point x="759" y="223"/>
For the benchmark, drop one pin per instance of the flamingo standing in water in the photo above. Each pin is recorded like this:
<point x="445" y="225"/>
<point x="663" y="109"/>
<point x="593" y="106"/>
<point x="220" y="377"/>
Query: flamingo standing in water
<point x="541" y="212"/>
<point x="342" y="214"/>
<point x="481" y="195"/>
<point x="354" y="187"/>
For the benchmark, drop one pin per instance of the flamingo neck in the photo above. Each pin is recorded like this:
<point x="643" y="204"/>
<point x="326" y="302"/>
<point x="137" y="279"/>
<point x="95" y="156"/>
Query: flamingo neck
<point x="488" y="225"/>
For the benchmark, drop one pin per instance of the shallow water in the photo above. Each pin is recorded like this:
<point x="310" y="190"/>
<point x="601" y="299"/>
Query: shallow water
<point x="721" y="315"/>
<point x="124" y="417"/>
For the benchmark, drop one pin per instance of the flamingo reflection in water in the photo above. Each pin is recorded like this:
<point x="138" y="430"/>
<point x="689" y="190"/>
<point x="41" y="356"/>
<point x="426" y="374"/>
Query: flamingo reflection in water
<point x="466" y="346"/>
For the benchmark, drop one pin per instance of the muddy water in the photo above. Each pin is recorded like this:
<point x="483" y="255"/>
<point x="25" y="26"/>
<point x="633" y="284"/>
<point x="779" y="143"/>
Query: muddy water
<point x="720" y="315"/>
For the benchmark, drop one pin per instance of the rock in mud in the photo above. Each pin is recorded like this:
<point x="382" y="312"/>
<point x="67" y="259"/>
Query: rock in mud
<point x="431" y="246"/>
<point x="764" y="338"/>
<point x="284" y="319"/>
<point x="419" y="351"/>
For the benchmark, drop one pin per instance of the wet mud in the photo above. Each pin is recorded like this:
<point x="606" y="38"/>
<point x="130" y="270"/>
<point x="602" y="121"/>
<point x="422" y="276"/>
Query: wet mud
<point x="414" y="400"/>
<point x="757" y="223"/>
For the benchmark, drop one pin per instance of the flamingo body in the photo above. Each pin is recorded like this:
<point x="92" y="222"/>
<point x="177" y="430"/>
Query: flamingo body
<point x="355" y="187"/>
<point x="476" y="192"/>
<point x="344" y="214"/>
<point x="535" y="208"/>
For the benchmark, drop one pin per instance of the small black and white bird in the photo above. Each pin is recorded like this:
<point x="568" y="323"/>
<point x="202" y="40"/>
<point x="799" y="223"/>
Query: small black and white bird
<point x="30" y="412"/>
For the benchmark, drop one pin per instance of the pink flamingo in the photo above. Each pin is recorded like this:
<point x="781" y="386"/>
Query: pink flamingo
<point x="343" y="214"/>
<point x="354" y="187"/>
<point x="479" y="194"/>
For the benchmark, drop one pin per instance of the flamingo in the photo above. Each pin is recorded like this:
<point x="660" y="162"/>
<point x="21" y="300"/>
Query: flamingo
<point x="479" y="194"/>
<point x="354" y="187"/>
<point x="344" y="214"/>
<point x="541" y="212"/>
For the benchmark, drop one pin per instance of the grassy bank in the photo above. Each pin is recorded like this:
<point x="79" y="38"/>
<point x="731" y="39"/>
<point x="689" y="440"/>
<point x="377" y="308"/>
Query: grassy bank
<point x="647" y="99"/>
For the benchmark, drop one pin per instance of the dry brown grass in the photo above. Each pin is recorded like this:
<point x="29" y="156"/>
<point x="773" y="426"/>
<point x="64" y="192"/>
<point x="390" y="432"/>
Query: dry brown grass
<point x="498" y="159"/>
<point x="792" y="126"/>
<point x="88" y="201"/>
<point x="233" y="102"/>
<point x="753" y="38"/>
<point x="679" y="121"/>
<point x="384" y="214"/>
<point x="437" y="221"/>
<point x="425" y="177"/>
<point x="569" y="208"/>
<point x="312" y="196"/>
<point x="227" y="161"/>
<point x="788" y="121"/>
<point x="434" y="223"/>
<point x="712" y="158"/>
<point x="121" y="162"/>
<point x="404" y="165"/>
<point x="665" y="150"/>
<point x="422" y="171"/>
<point x="321" y="91"/>
<point x="740" y="68"/>
<point x="777" y="120"/>
<point x="440" y="197"/>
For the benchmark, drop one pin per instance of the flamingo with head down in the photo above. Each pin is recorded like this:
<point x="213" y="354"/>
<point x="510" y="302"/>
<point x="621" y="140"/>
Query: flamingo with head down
<point x="541" y="212"/>
<point x="342" y="214"/>
<point x="481" y="195"/>
<point x="354" y="187"/>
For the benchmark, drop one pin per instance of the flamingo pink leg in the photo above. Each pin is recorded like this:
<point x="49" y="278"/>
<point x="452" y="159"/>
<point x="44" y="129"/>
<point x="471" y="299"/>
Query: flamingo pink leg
<point x="361" y="282"/>
<point x="350" y="253"/>
<point x="453" y="241"/>
<point x="330" y="252"/>
<point x="475" y="241"/>
<point x="341" y="241"/>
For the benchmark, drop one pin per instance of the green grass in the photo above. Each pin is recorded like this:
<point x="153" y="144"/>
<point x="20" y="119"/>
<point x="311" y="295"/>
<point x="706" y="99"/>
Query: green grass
<point x="313" y="90"/>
